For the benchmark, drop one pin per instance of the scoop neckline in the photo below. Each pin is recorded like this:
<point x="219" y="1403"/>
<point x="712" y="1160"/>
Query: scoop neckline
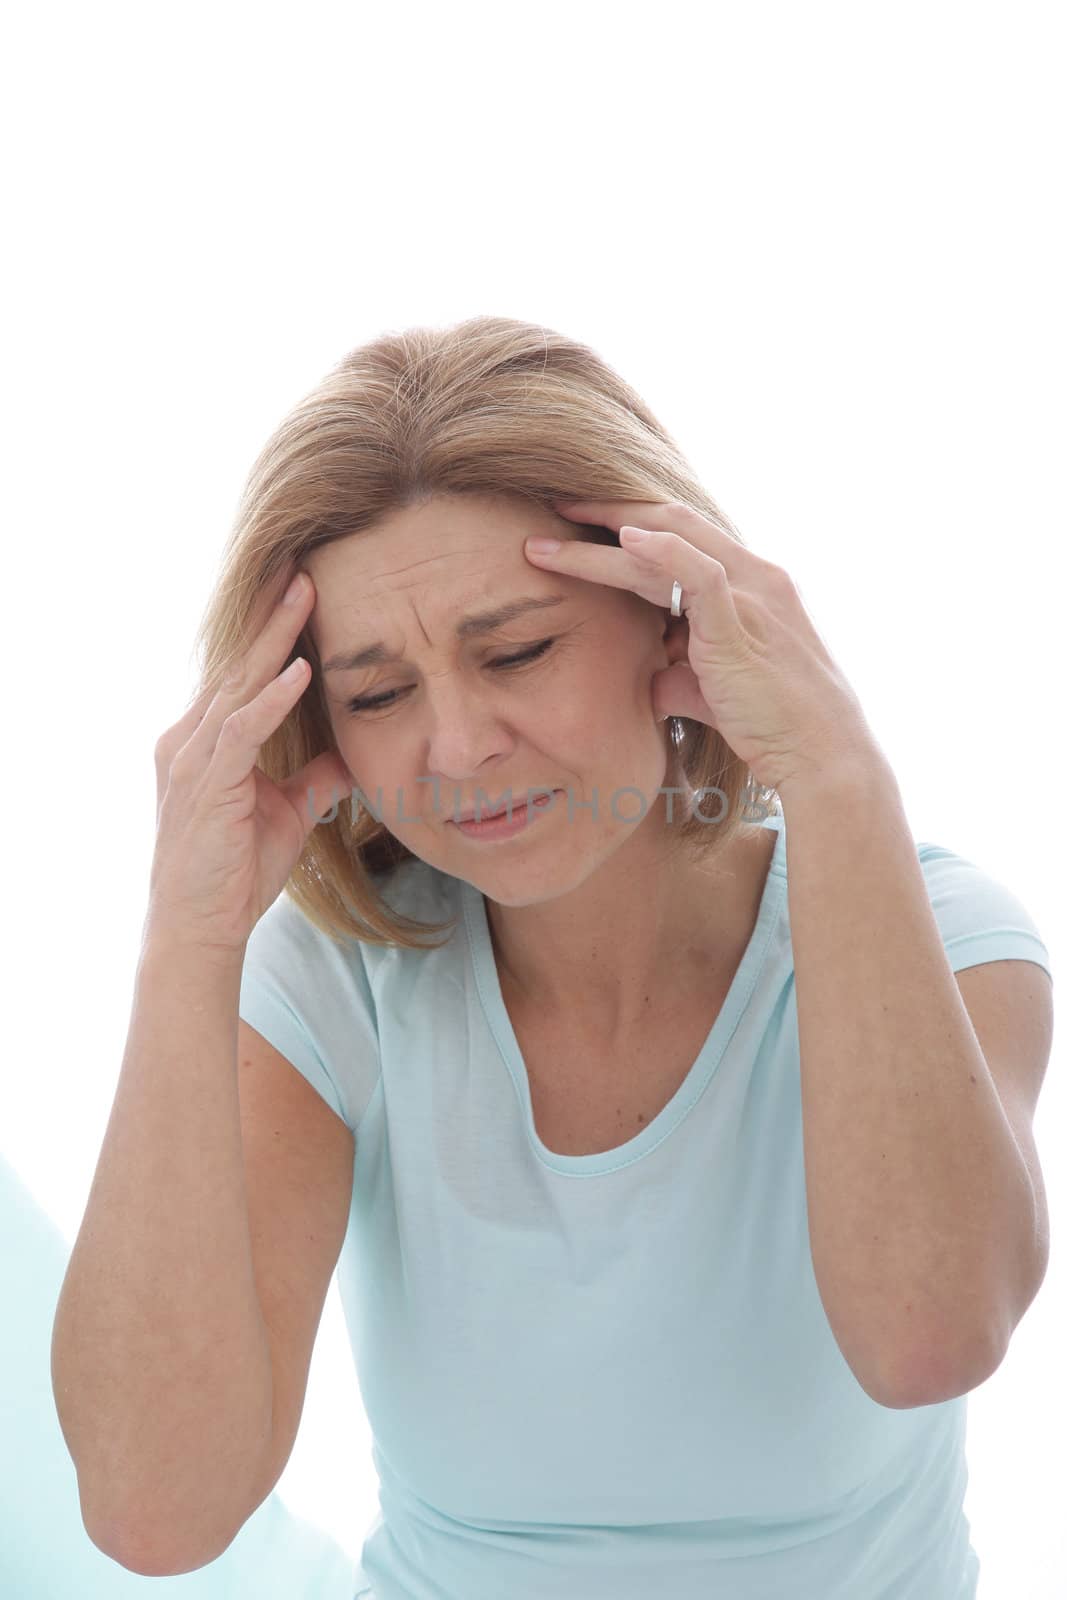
<point x="703" y="1068"/>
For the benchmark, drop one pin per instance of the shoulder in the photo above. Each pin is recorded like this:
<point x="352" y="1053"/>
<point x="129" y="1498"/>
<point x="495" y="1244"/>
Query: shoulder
<point x="981" y="918"/>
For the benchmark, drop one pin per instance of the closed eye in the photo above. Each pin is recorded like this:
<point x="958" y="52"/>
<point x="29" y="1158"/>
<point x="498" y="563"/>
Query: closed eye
<point x="502" y="664"/>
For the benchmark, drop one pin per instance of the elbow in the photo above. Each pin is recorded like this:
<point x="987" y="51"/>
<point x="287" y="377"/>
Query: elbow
<point x="932" y="1378"/>
<point x="149" y="1558"/>
<point x="946" y="1367"/>
<point x="139" y="1549"/>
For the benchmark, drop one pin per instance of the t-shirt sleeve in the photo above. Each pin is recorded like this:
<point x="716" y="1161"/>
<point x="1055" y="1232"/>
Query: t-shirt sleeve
<point x="980" y="918"/>
<point x="311" y="999"/>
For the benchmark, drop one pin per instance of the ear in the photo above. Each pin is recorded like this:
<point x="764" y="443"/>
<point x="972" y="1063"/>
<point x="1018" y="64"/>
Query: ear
<point x="676" y="638"/>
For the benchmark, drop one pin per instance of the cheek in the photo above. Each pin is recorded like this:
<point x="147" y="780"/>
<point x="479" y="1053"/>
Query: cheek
<point x="600" y="728"/>
<point x="613" y="695"/>
<point x="376" y="763"/>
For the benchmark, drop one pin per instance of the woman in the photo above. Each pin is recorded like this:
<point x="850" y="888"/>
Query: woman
<point x="678" y="1200"/>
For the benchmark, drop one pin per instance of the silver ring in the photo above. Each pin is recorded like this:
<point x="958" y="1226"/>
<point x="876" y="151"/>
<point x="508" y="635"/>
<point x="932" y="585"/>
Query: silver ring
<point x="676" y="599"/>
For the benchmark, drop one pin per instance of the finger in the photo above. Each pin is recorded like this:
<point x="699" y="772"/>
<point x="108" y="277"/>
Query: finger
<point x="265" y="606"/>
<point x="268" y="603"/>
<point x="601" y="563"/>
<point x="320" y="786"/>
<point x="249" y="675"/>
<point x="676" y="692"/>
<point x="247" y="728"/>
<point x="671" y="516"/>
<point x="181" y="732"/>
<point x="706" y="598"/>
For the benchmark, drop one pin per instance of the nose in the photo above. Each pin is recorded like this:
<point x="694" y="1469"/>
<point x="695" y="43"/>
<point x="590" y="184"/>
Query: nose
<point x="467" y="735"/>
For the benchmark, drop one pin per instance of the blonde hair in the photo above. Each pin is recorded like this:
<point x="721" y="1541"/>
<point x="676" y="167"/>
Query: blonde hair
<point x="489" y="406"/>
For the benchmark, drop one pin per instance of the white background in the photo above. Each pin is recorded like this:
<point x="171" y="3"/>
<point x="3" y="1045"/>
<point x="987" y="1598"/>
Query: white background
<point x="825" y="242"/>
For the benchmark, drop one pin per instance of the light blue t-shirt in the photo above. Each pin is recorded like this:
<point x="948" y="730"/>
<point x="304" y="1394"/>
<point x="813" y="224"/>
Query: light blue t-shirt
<point x="610" y="1376"/>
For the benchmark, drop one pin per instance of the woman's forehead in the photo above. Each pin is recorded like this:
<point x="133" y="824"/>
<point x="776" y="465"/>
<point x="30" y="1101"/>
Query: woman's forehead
<point x="461" y="593"/>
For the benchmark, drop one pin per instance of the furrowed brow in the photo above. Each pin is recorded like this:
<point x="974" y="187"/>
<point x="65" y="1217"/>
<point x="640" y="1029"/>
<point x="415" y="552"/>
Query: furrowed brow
<point x="469" y="627"/>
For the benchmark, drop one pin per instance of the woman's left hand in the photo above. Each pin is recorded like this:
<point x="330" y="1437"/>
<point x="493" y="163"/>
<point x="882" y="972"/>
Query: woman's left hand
<point x="756" y="669"/>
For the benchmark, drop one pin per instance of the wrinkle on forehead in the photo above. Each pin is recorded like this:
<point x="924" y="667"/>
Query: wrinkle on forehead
<point x="357" y="592"/>
<point x="415" y="569"/>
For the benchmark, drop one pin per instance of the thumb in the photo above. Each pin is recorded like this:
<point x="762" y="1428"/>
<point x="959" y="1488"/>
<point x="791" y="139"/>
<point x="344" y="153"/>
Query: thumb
<point x="676" y="692"/>
<point x="319" y="788"/>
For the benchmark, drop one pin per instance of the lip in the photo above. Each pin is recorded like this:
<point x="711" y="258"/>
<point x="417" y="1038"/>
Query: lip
<point x="501" y="826"/>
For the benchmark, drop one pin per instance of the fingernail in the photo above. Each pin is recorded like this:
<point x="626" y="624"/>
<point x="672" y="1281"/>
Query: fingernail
<point x="294" y="591"/>
<point x="542" y="547"/>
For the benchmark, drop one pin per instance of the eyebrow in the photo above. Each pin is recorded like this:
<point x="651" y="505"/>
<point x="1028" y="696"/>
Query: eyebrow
<point x="469" y="627"/>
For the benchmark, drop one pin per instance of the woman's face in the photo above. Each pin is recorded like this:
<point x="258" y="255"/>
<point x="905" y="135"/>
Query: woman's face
<point x="576" y="718"/>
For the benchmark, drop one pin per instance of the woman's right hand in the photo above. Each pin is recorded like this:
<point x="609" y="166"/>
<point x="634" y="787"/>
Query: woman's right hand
<point x="227" y="837"/>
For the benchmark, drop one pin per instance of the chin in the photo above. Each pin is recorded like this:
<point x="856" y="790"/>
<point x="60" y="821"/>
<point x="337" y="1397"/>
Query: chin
<point x="525" y="883"/>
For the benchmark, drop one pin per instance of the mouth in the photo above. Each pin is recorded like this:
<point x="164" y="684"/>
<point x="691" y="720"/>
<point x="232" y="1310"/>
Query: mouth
<point x="480" y="814"/>
<point x="498" y="825"/>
